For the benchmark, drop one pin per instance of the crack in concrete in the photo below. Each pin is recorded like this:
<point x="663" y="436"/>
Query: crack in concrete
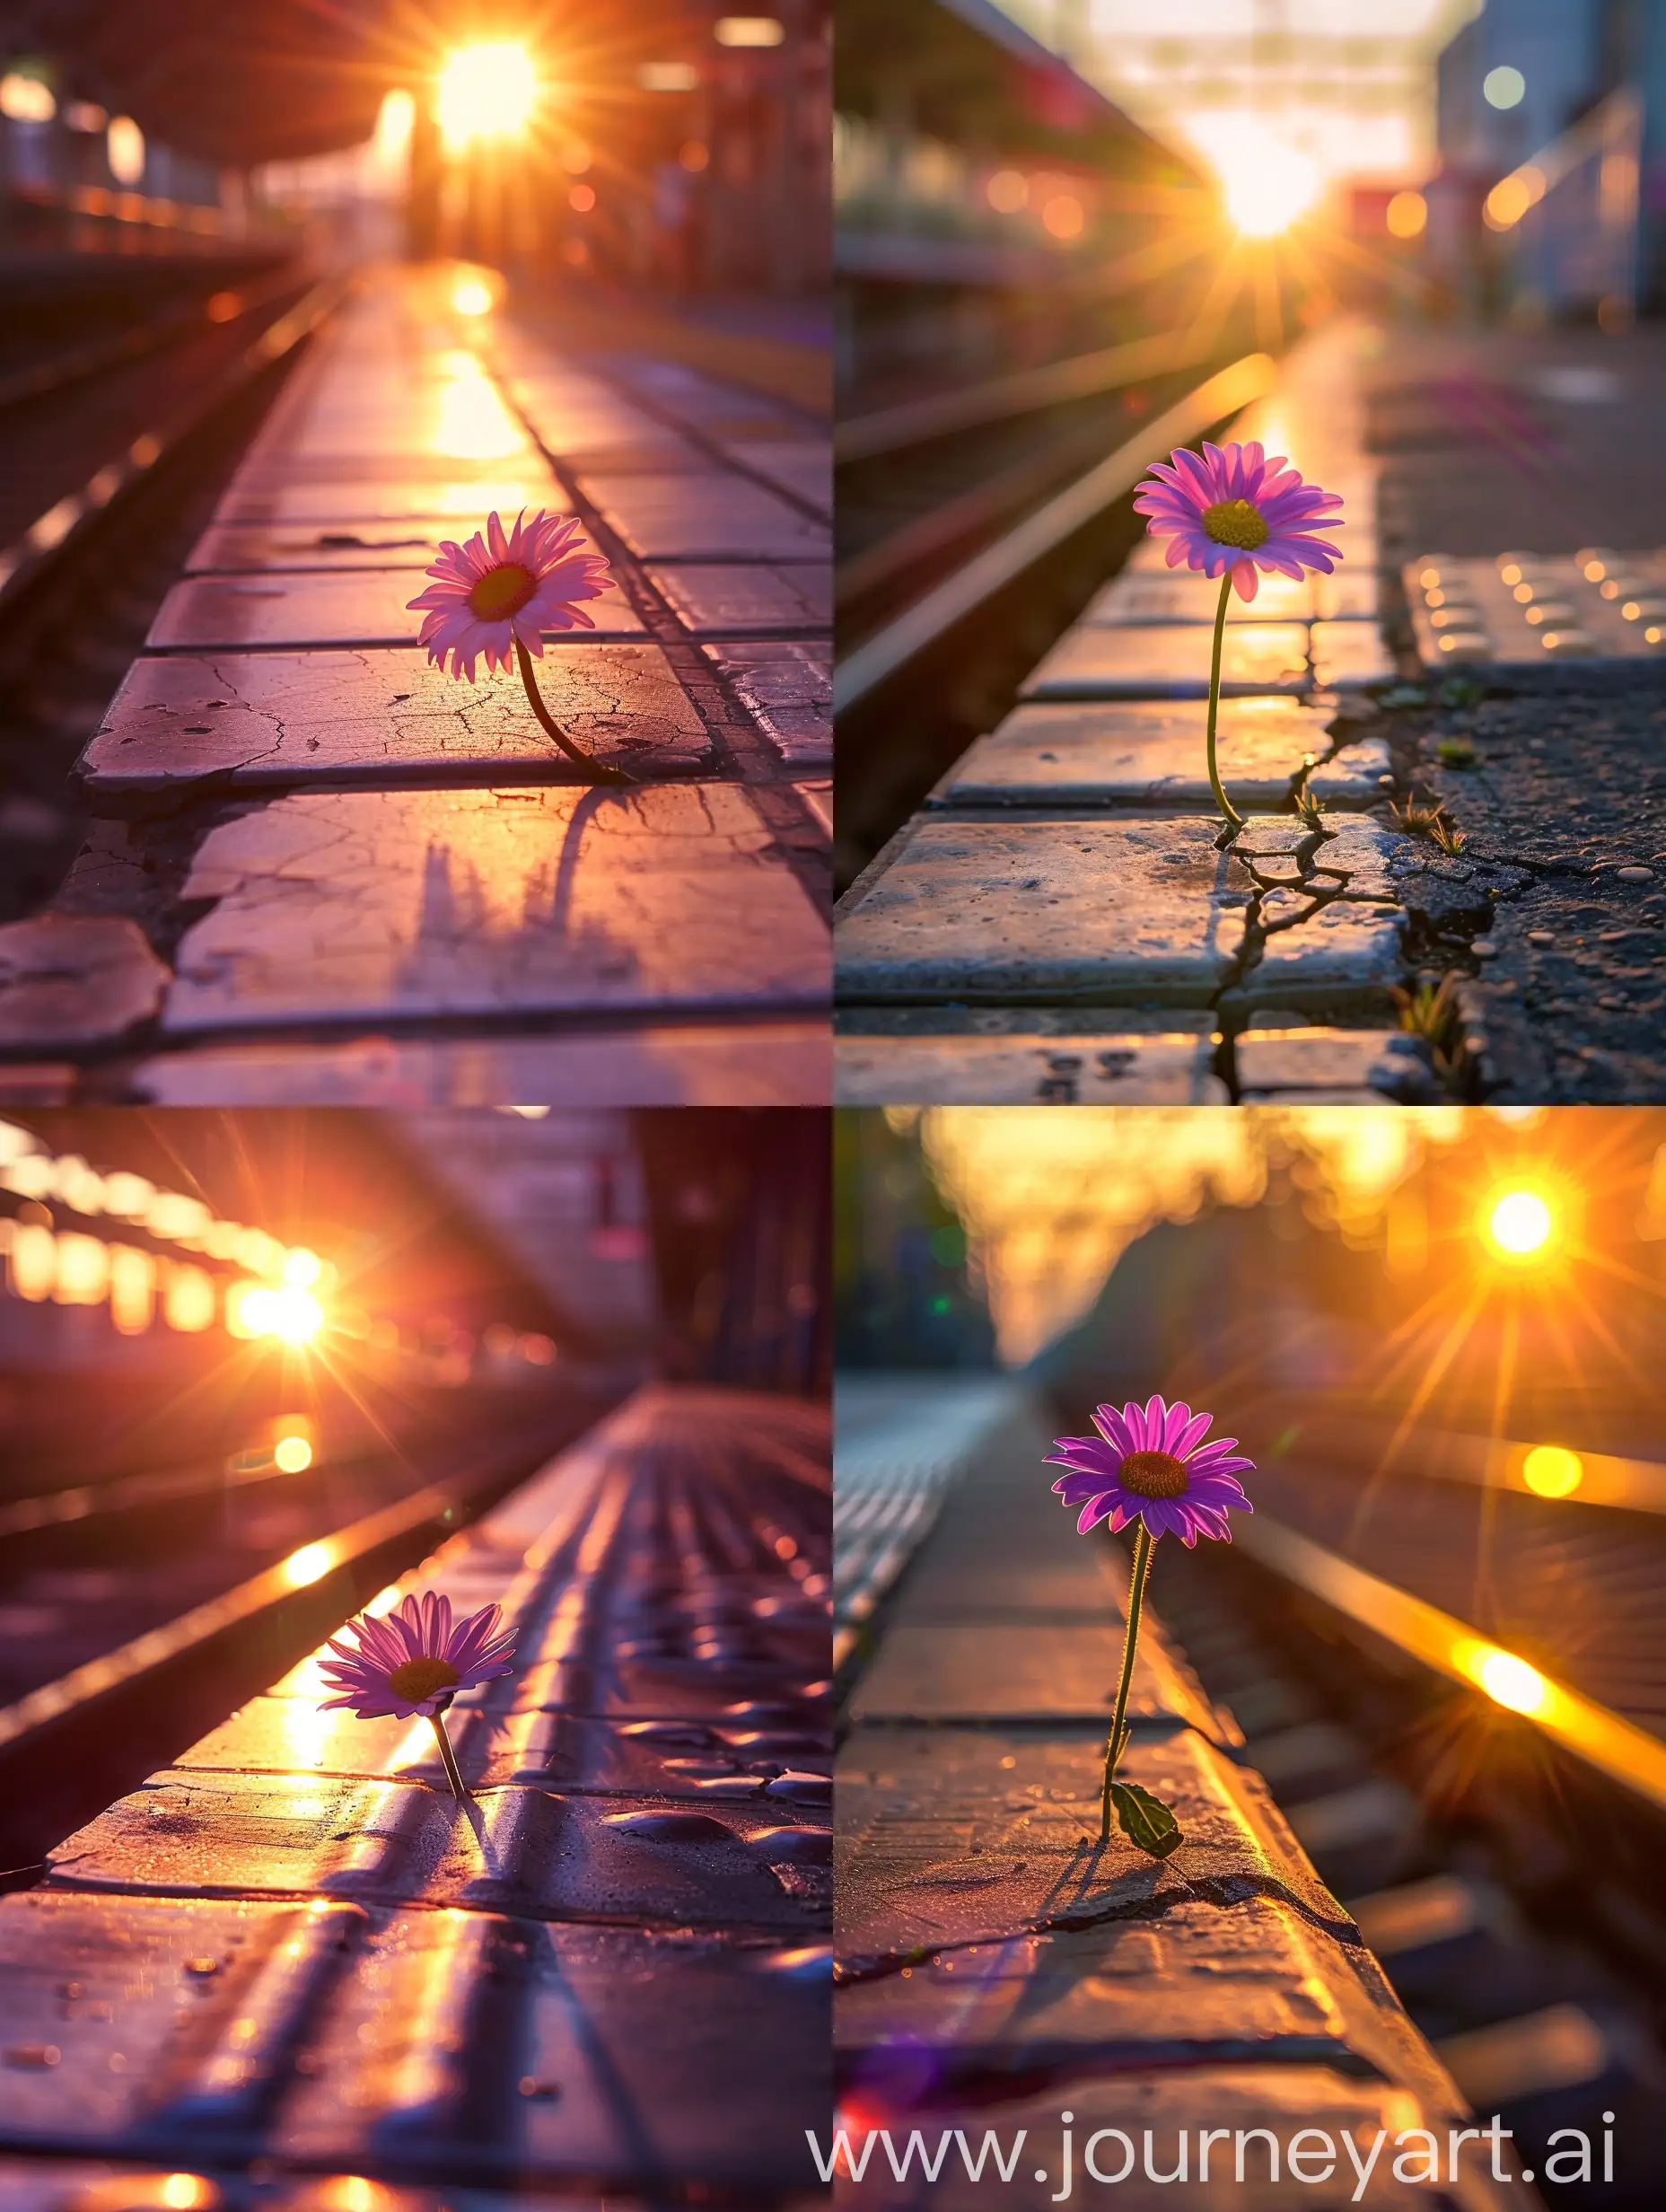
<point x="1321" y="885"/>
<point x="1222" y="1891"/>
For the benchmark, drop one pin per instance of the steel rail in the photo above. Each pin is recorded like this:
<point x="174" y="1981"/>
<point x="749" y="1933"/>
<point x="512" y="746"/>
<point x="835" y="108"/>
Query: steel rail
<point x="1617" y="1748"/>
<point x="51" y="535"/>
<point x="86" y="1501"/>
<point x="312" y="1564"/>
<point x="889" y="429"/>
<point x="961" y="594"/>
<point x="1495" y="1463"/>
<point x="59" y="370"/>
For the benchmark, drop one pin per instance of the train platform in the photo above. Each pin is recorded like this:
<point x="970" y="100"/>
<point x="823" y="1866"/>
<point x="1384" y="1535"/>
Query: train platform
<point x="322" y="872"/>
<point x="994" y="1975"/>
<point x="290" y="1969"/>
<point x="1429" y="753"/>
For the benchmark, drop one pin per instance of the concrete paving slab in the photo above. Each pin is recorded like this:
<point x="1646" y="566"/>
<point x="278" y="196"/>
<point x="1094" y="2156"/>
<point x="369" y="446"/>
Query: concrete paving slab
<point x="456" y="421"/>
<point x="1140" y="596"/>
<point x="989" y="1669"/>
<point x="375" y="906"/>
<point x="788" y="689"/>
<point x="1104" y="1070"/>
<point x="183" y="2020"/>
<point x="258" y="721"/>
<point x="1150" y="754"/>
<point x="711" y="517"/>
<point x="289" y="471"/>
<point x="735" y="598"/>
<point x="135" y="2011"/>
<point x="1158" y="662"/>
<point x="290" y="1736"/>
<point x="657" y="1860"/>
<point x="241" y="549"/>
<point x="802" y="466"/>
<point x="676" y="1688"/>
<point x="1201" y="1985"/>
<point x="356" y="607"/>
<point x="953" y="1837"/>
<point x="1384" y="1062"/>
<point x="709" y="403"/>
<point x="758" y="1064"/>
<point x="695" y="1761"/>
<point x="465" y="501"/>
<point x="1366" y="851"/>
<point x="576" y="422"/>
<point x="1345" y="958"/>
<point x="1101" y="911"/>
<point x="70" y="980"/>
<point x="1350" y="655"/>
<point x="993" y="1557"/>
<point x="587" y="2032"/>
<point x="817" y="794"/>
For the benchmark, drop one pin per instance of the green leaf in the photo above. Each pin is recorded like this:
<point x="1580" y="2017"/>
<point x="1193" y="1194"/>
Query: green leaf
<point x="1145" y="1820"/>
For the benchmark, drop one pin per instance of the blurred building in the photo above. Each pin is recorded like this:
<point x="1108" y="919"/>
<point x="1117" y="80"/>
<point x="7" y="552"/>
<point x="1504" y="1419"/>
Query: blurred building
<point x="984" y="193"/>
<point x="681" y="149"/>
<point x="674" y="145"/>
<point x="904" y="1292"/>
<point x="1549" y="200"/>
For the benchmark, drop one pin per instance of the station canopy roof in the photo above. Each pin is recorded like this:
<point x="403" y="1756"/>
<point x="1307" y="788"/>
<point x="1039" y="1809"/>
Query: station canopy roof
<point x="237" y="82"/>
<point x="241" y="82"/>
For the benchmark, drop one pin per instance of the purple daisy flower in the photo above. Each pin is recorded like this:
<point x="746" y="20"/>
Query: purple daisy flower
<point x="416" y="1660"/>
<point x="1149" y="1464"/>
<point x="503" y="590"/>
<point x="1232" y="508"/>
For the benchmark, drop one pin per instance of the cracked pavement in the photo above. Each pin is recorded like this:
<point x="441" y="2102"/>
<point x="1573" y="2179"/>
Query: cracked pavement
<point x="1536" y="903"/>
<point x="310" y="836"/>
<point x="985" y="1946"/>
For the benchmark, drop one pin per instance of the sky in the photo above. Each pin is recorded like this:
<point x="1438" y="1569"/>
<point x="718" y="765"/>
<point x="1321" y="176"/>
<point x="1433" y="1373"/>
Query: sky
<point x="1346" y="85"/>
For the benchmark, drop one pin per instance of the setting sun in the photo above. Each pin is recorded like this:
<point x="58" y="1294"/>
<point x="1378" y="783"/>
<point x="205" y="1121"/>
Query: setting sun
<point x="1267" y="182"/>
<point x="1518" y="1225"/>
<point x="485" y="92"/>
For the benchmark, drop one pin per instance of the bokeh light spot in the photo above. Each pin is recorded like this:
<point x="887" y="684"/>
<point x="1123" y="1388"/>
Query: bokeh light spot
<point x="1519" y="1223"/>
<point x="1510" y="1681"/>
<point x="1503" y="87"/>
<point x="1551" y="1470"/>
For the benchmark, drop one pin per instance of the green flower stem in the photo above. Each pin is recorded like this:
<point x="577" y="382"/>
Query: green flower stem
<point x="1136" y="1599"/>
<point x="452" y="1774"/>
<point x="1234" y="820"/>
<point x="596" y="770"/>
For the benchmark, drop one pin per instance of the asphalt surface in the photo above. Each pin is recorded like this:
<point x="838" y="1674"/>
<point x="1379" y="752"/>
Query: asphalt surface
<point x="1546" y="441"/>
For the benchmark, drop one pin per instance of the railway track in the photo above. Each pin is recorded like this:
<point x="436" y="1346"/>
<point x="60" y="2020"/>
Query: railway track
<point x="972" y="531"/>
<point x="133" y="1612"/>
<point x="922" y="483"/>
<point x="113" y="451"/>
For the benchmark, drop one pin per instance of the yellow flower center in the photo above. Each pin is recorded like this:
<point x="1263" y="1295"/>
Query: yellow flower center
<point x="1234" y="522"/>
<point x="503" y="592"/>
<point x="418" y="1678"/>
<point x="1153" y="1474"/>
